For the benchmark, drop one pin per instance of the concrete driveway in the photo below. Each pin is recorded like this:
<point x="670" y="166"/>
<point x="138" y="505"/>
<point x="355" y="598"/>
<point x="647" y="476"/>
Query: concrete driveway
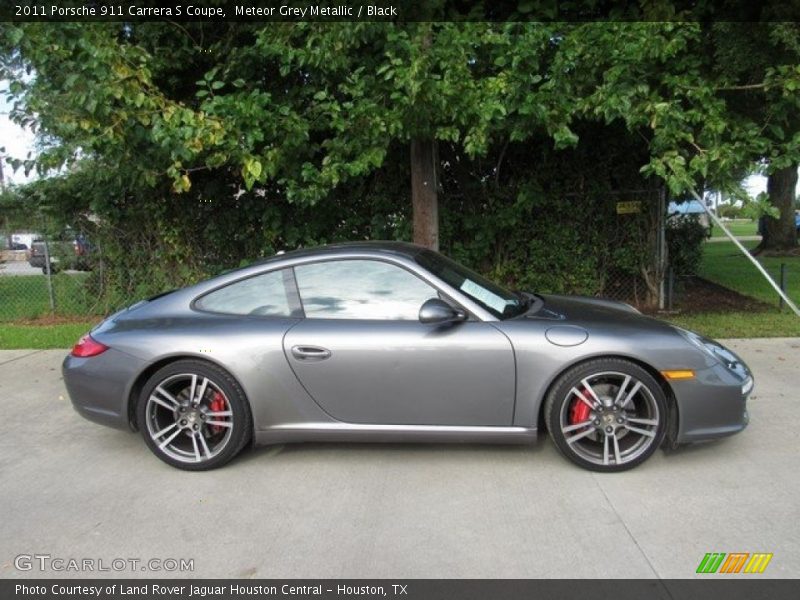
<point x="18" y="268"/>
<point x="71" y="489"/>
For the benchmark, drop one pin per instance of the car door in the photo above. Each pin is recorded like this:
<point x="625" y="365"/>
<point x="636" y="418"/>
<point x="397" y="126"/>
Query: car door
<point x="364" y="357"/>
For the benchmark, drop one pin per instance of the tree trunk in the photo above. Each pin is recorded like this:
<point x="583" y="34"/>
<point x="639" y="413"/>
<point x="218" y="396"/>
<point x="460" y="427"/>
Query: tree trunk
<point x="424" y="196"/>
<point x="781" y="233"/>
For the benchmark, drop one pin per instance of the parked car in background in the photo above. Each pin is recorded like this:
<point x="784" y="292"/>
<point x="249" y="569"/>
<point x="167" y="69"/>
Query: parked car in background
<point x="689" y="209"/>
<point x="68" y="251"/>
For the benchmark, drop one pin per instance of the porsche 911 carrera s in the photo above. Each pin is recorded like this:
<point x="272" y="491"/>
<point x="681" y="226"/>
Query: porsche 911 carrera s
<point x="388" y="341"/>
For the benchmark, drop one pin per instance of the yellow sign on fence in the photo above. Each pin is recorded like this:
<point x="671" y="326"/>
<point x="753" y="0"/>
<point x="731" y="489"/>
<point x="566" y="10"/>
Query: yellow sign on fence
<point x="629" y="208"/>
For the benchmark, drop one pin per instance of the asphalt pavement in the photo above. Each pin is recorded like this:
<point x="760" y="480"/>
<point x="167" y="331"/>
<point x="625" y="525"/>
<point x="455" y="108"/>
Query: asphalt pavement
<point x="74" y="490"/>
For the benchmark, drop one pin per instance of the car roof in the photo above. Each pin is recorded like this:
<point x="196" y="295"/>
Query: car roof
<point x="379" y="247"/>
<point x="345" y="249"/>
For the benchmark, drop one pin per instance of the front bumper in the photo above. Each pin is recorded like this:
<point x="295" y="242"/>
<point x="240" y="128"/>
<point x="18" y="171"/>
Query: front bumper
<point x="712" y="405"/>
<point x="99" y="387"/>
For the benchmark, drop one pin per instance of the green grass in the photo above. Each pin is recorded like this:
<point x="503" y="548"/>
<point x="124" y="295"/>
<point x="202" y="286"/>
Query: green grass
<point x="27" y="296"/>
<point x="740" y="227"/>
<point x="740" y="324"/>
<point x="26" y="319"/>
<point x="62" y="335"/>
<point x="724" y="263"/>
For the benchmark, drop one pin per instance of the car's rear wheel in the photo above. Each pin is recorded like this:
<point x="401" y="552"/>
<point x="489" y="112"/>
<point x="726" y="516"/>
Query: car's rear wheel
<point x="194" y="415"/>
<point x="606" y="415"/>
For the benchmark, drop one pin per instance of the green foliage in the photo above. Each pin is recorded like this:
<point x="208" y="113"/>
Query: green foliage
<point x="758" y="207"/>
<point x="307" y="106"/>
<point x="547" y="221"/>
<point x="685" y="238"/>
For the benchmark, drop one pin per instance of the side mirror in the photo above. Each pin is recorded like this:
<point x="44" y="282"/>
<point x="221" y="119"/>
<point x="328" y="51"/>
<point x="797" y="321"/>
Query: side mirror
<point x="436" y="311"/>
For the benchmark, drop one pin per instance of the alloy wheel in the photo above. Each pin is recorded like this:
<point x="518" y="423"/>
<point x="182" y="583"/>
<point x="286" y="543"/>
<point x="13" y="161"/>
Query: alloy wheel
<point x="607" y="414"/>
<point x="189" y="418"/>
<point x="610" y="418"/>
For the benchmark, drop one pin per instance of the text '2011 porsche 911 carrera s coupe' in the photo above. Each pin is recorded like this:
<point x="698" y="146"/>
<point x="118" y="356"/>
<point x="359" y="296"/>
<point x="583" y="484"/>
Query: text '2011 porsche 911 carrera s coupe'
<point x="387" y="341"/>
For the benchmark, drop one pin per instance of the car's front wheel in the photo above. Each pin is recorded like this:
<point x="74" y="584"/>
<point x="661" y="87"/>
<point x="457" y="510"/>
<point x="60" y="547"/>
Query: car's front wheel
<point x="606" y="414"/>
<point x="194" y="415"/>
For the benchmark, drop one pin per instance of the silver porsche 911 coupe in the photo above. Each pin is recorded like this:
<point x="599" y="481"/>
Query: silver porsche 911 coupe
<point x="387" y="341"/>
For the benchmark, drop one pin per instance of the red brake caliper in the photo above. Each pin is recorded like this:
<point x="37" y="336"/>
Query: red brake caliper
<point x="217" y="404"/>
<point x="579" y="411"/>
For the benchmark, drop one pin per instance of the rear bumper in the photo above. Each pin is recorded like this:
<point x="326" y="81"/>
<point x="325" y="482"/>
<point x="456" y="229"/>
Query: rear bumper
<point x="99" y="387"/>
<point x="713" y="405"/>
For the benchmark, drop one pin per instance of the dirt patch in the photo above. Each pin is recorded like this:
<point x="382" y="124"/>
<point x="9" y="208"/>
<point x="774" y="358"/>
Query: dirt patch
<point x="698" y="295"/>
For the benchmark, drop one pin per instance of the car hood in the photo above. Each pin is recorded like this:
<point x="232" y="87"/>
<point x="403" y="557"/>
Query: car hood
<point x="583" y="310"/>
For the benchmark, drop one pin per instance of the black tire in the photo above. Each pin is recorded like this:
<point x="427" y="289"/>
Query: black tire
<point x="595" y="437"/>
<point x="153" y="414"/>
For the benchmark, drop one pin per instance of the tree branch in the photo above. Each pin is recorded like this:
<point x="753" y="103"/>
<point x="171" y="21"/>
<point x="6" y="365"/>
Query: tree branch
<point x="499" y="163"/>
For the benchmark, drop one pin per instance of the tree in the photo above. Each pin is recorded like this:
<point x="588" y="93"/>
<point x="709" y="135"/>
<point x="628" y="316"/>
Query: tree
<point x="424" y="193"/>
<point x="757" y="68"/>
<point x="200" y="132"/>
<point x="303" y="106"/>
<point x="781" y="233"/>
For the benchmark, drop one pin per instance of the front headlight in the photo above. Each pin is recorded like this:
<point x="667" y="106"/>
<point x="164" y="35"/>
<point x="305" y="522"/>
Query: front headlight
<point x="722" y="356"/>
<point x="715" y="350"/>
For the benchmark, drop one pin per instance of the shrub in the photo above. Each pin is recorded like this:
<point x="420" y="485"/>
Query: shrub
<point x="685" y="237"/>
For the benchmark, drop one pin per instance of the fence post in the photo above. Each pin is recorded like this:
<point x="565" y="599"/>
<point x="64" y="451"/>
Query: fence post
<point x="49" y="275"/>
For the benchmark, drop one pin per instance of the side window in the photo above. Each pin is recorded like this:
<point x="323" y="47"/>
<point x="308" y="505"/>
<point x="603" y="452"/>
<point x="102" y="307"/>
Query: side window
<point x="264" y="295"/>
<point x="361" y="289"/>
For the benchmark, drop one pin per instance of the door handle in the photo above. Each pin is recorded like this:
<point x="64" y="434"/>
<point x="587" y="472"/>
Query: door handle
<point x="310" y="353"/>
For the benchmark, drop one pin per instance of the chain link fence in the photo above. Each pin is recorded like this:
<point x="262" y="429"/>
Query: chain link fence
<point x="45" y="275"/>
<point x="48" y="273"/>
<point x="634" y="257"/>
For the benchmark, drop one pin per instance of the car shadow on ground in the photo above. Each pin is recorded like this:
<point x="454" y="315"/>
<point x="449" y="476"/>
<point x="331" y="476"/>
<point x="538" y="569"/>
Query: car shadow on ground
<point x="366" y="448"/>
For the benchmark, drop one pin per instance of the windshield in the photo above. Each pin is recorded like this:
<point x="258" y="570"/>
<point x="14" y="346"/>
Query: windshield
<point x="502" y="303"/>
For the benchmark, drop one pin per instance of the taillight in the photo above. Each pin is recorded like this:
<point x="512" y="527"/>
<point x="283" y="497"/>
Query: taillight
<point x="88" y="346"/>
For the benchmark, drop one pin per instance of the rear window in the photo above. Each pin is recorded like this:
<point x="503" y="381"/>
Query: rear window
<point x="267" y="295"/>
